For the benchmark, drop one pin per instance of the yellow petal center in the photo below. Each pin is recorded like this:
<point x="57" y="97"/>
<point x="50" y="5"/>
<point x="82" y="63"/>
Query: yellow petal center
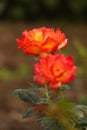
<point x="38" y="36"/>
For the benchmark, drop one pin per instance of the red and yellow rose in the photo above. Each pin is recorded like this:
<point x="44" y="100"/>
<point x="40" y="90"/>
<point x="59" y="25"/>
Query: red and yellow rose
<point x="55" y="70"/>
<point x="42" y="40"/>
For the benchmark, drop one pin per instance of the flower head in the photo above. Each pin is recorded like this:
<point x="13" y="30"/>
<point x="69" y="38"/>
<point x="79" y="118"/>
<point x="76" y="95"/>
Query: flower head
<point x="55" y="70"/>
<point x="42" y="40"/>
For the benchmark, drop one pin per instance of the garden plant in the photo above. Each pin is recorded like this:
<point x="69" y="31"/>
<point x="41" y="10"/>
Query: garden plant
<point x="53" y="71"/>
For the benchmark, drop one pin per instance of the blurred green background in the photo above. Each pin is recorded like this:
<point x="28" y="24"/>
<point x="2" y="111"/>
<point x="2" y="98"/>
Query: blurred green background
<point x="67" y="10"/>
<point x="16" y="68"/>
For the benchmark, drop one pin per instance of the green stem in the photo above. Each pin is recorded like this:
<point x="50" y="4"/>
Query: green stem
<point x="46" y="91"/>
<point x="61" y="95"/>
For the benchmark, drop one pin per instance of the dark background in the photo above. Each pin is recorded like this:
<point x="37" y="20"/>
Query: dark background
<point x="67" y="10"/>
<point x="16" y="68"/>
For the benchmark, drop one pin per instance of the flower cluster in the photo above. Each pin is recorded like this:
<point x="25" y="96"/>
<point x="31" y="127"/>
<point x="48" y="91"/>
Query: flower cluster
<point x="52" y="69"/>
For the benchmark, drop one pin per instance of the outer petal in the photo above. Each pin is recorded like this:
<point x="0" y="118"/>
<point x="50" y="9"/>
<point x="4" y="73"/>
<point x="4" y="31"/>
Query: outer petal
<point x="20" y="43"/>
<point x="29" y="47"/>
<point x="25" y="34"/>
<point x="34" y="50"/>
<point x="70" y="75"/>
<point x="48" y="32"/>
<point x="61" y="38"/>
<point x="55" y="86"/>
<point x="37" y="70"/>
<point x="40" y="79"/>
<point x="70" y="60"/>
<point x="45" y="67"/>
<point x="63" y="44"/>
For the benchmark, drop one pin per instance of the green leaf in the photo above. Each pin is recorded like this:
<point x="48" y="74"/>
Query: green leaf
<point x="50" y="124"/>
<point x="27" y="95"/>
<point x="82" y="123"/>
<point x="80" y="110"/>
<point x="43" y="121"/>
<point x="55" y="125"/>
<point x="28" y="113"/>
<point x="36" y="88"/>
<point x="42" y="99"/>
<point x="41" y="89"/>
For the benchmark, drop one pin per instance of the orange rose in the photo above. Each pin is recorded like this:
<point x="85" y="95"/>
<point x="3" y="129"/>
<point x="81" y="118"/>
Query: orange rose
<point x="42" y="40"/>
<point x="55" y="70"/>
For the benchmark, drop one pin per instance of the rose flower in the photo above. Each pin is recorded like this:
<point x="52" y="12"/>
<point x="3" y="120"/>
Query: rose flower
<point x="42" y="41"/>
<point x="54" y="70"/>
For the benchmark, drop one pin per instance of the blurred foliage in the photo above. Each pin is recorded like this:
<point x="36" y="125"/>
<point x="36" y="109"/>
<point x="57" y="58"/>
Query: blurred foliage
<point x="22" y="71"/>
<point x="81" y="56"/>
<point x="53" y="114"/>
<point x="73" y="10"/>
<point x="79" y="52"/>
